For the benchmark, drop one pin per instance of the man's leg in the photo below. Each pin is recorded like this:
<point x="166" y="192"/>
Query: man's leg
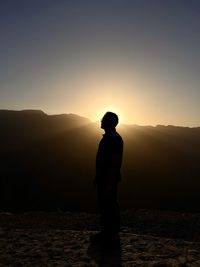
<point x="109" y="211"/>
<point x="115" y="211"/>
<point x="102" y="204"/>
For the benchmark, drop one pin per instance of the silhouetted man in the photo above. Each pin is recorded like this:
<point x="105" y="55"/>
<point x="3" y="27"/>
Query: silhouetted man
<point x="108" y="164"/>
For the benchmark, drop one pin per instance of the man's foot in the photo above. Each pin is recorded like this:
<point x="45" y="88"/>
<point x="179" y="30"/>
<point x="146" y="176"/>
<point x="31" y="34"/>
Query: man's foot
<point x="97" y="238"/>
<point x="106" y="240"/>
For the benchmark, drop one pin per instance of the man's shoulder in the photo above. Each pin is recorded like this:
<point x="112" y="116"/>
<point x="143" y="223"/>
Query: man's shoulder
<point x="113" y="137"/>
<point x="117" y="137"/>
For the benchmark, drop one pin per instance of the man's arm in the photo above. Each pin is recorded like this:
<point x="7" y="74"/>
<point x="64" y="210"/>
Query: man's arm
<point x="115" y="168"/>
<point x="116" y="162"/>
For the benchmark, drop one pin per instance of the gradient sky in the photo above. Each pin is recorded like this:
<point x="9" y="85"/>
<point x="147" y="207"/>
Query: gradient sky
<point x="138" y="58"/>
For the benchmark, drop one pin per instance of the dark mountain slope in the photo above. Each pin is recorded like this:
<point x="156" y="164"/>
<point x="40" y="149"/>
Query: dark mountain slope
<point x="49" y="162"/>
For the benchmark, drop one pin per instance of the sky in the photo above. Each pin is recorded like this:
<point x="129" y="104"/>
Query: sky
<point x="138" y="58"/>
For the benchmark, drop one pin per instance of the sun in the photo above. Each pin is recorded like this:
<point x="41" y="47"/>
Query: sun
<point x="100" y="113"/>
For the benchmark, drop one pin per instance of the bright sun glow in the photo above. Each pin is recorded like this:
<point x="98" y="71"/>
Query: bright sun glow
<point x="100" y="113"/>
<point x="102" y="91"/>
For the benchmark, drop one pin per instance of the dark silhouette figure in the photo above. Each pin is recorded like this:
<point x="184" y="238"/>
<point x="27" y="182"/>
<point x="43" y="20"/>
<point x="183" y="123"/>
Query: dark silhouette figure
<point x="108" y="164"/>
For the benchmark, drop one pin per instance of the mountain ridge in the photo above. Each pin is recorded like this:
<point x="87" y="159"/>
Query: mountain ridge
<point x="49" y="161"/>
<point x="41" y="112"/>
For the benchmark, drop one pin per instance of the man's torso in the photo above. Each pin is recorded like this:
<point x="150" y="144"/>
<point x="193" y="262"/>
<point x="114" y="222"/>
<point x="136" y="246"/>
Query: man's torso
<point x="110" y="144"/>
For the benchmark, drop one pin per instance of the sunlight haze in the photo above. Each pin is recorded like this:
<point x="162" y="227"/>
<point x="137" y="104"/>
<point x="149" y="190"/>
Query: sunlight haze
<point x="138" y="58"/>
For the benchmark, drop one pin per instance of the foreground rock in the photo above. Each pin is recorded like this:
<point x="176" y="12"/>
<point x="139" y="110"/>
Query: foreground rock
<point x="50" y="247"/>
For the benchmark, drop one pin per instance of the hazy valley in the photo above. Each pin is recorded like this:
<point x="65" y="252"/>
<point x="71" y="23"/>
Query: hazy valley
<point x="48" y="162"/>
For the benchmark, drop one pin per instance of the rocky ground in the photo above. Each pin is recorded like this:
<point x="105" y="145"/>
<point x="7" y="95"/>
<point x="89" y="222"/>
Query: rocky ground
<point x="63" y="239"/>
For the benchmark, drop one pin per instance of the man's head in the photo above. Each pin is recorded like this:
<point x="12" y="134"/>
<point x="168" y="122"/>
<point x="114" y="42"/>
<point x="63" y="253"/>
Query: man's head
<point x="109" y="121"/>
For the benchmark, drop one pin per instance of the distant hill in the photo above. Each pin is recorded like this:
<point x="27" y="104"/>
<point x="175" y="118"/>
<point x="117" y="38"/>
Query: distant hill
<point x="19" y="128"/>
<point x="48" y="162"/>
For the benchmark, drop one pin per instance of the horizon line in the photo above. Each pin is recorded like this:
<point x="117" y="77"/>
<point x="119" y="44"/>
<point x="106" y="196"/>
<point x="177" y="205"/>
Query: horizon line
<point x="92" y="121"/>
